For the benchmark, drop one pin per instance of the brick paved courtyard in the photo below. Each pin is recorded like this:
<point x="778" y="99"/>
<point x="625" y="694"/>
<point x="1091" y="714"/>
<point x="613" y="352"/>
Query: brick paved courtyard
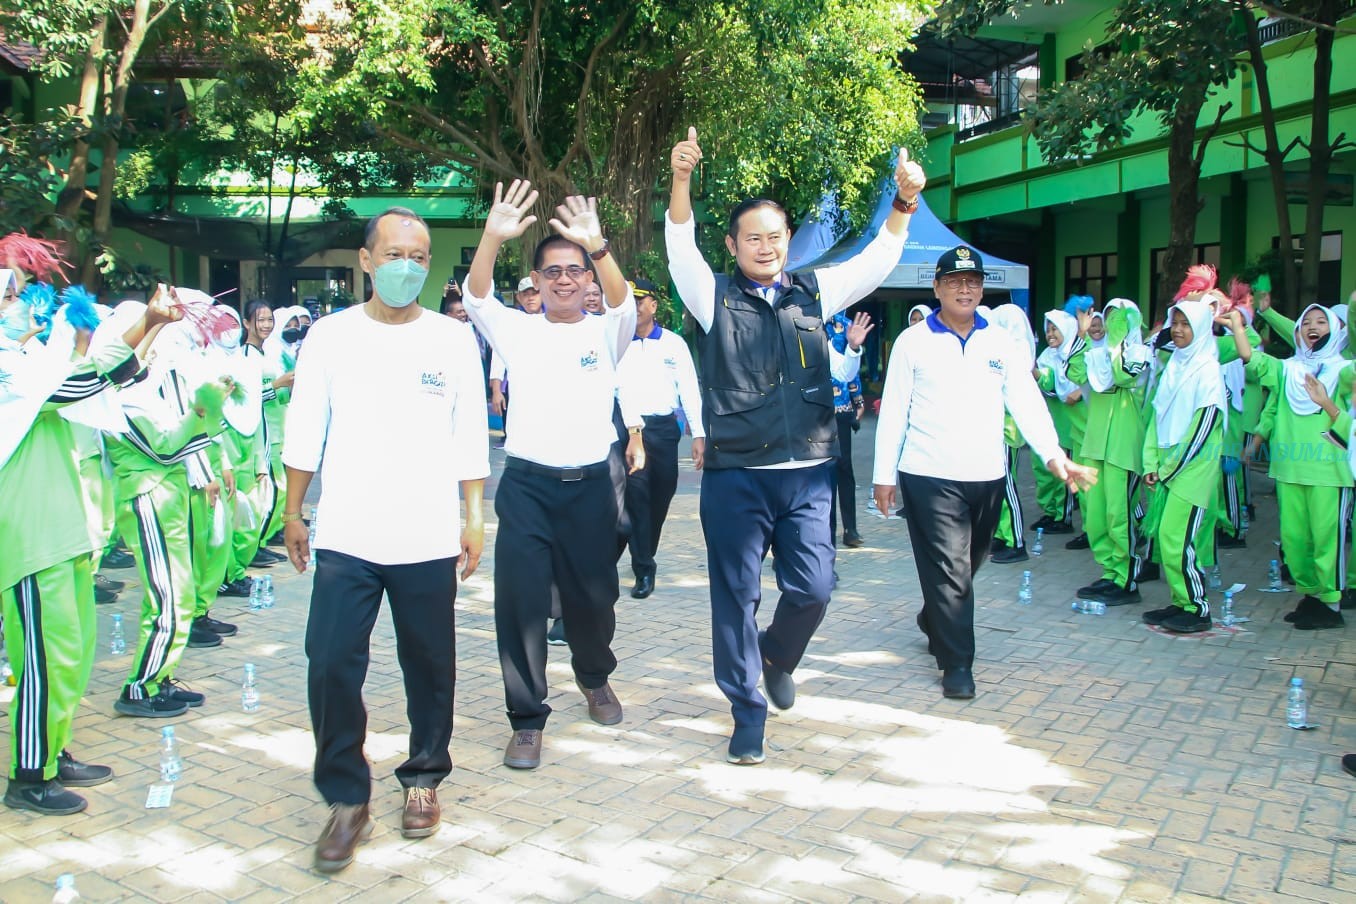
<point x="1100" y="761"/>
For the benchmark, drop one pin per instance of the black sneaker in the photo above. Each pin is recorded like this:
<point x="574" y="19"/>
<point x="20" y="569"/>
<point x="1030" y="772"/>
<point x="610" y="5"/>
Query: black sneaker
<point x="1349" y="763"/>
<point x="103" y="597"/>
<point x="1348" y="599"/>
<point x="1306" y="606"/>
<point x="277" y="540"/>
<point x="174" y="690"/>
<point x="1149" y="571"/>
<point x="109" y="583"/>
<point x="74" y="774"/>
<point x="1059" y="527"/>
<point x="780" y="686"/>
<point x="1120" y="596"/>
<point x="1226" y="540"/>
<point x="264" y="559"/>
<point x="47" y="798"/>
<point x="1095" y="590"/>
<point x="852" y="539"/>
<point x="1079" y="542"/>
<point x="1318" y="618"/>
<point x="225" y="629"/>
<point x="556" y="635"/>
<point x="997" y="546"/>
<point x="1185" y="622"/>
<point x="1043" y="524"/>
<point x="158" y="707"/>
<point x="199" y="635"/>
<point x="1006" y="555"/>
<point x="239" y="587"/>
<point x="117" y="558"/>
<point x="1158" y="616"/>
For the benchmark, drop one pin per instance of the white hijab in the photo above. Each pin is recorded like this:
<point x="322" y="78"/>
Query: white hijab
<point x="1191" y="379"/>
<point x="1324" y="365"/>
<point x="244" y="408"/>
<point x="283" y="355"/>
<point x="925" y="309"/>
<point x="1057" y="359"/>
<point x="1012" y="320"/>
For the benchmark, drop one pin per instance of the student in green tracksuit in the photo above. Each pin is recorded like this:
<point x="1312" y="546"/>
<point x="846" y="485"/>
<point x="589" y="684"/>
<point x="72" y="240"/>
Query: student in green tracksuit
<point x="1009" y="538"/>
<point x="46" y="569"/>
<point x="1064" y="398"/>
<point x="153" y="515"/>
<point x="1313" y="480"/>
<point x="1181" y="462"/>
<point x="279" y="362"/>
<point x="1113" y="442"/>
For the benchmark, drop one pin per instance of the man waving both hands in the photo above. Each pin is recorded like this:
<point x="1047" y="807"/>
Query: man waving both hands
<point x="556" y="487"/>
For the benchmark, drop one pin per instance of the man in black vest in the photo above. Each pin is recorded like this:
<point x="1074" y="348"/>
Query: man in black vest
<point x="771" y="433"/>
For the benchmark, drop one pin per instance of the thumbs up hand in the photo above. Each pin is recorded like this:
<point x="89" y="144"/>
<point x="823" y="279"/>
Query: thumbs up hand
<point x="909" y="177"/>
<point x="686" y="155"/>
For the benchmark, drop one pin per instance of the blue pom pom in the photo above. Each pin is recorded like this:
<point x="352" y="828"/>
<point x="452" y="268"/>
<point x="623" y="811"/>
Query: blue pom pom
<point x="80" y="307"/>
<point x="41" y="297"/>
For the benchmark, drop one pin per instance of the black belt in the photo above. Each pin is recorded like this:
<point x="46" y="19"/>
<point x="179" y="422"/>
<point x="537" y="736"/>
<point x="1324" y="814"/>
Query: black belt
<point x="671" y="416"/>
<point x="564" y="475"/>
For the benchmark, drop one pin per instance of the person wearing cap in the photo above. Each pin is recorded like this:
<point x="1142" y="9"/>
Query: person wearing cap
<point x="556" y="501"/>
<point x="940" y="432"/>
<point x="528" y="300"/>
<point x="656" y="378"/>
<point x="771" y="431"/>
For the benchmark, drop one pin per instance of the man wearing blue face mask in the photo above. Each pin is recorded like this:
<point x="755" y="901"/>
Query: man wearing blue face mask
<point x="388" y="400"/>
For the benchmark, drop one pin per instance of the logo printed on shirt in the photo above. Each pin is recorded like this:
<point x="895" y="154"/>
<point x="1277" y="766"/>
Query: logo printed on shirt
<point x="996" y="365"/>
<point x="589" y="361"/>
<point x="433" y="382"/>
<point x="670" y="361"/>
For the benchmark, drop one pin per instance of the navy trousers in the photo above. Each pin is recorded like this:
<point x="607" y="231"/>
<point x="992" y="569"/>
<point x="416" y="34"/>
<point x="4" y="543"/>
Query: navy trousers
<point x="745" y="512"/>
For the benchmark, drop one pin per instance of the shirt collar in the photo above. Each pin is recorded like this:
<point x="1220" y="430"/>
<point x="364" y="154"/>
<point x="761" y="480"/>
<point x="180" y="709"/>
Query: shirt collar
<point x="935" y="324"/>
<point x="654" y="333"/>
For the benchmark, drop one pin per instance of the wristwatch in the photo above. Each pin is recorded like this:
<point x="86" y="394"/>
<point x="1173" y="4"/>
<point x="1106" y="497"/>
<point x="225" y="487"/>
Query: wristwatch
<point x="289" y="517"/>
<point x="634" y="431"/>
<point x="904" y="206"/>
<point x="601" y="252"/>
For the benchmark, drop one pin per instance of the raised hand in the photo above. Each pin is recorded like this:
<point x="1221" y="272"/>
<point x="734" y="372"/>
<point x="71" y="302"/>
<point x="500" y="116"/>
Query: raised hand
<point x="1317" y="392"/>
<point x="1084" y="322"/>
<point x="163" y="307"/>
<point x="577" y="220"/>
<point x="686" y="155"/>
<point x="1263" y="300"/>
<point x="909" y="177"/>
<point x="857" y="330"/>
<point x="507" y="218"/>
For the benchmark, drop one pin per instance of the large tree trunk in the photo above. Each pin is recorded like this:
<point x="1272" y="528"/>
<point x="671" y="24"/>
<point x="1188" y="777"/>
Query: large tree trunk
<point x="1183" y="202"/>
<point x="1320" y="155"/>
<point x="72" y="196"/>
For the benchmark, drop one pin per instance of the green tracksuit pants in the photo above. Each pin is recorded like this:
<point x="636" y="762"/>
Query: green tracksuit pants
<point x="155" y="526"/>
<point x="247" y="534"/>
<point x="1233" y="496"/>
<point x="1108" y="508"/>
<point x="100" y="493"/>
<point x="209" y="558"/>
<point x="1314" y="537"/>
<point x="1181" y="530"/>
<point x="50" y="636"/>
<point x="1011" y="530"/>
<point x="1052" y="495"/>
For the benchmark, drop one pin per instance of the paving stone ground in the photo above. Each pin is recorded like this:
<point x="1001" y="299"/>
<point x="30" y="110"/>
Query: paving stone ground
<point x="1100" y="761"/>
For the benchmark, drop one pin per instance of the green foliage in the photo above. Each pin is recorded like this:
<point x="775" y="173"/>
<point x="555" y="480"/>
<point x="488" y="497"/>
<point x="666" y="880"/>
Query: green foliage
<point x="28" y="177"/>
<point x="134" y="174"/>
<point x="121" y="277"/>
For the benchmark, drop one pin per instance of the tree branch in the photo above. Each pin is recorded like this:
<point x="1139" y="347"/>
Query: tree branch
<point x="1210" y="133"/>
<point x="1277" y="13"/>
<point x="581" y="104"/>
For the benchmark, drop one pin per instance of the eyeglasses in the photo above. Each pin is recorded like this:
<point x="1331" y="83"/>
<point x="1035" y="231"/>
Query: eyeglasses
<point x="555" y="273"/>
<point x="954" y="281"/>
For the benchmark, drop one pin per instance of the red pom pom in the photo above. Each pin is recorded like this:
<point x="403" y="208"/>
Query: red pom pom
<point x="39" y="258"/>
<point x="1199" y="278"/>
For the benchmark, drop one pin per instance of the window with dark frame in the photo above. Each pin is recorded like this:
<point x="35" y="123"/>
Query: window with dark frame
<point x="1329" y="267"/>
<point x="1090" y="274"/>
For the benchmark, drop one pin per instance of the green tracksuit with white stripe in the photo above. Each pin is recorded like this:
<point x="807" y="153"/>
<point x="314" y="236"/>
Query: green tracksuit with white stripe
<point x="1188" y="480"/>
<point x="46" y="576"/>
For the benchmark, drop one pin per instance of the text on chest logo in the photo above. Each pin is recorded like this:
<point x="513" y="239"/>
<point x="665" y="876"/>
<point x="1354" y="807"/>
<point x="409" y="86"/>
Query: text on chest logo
<point x="432" y="382"/>
<point x="589" y="361"/>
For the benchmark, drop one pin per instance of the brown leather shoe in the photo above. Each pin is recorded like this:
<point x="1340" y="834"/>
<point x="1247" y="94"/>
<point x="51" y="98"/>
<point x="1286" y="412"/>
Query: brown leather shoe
<point x="422" y="814"/>
<point x="604" y="708"/>
<point x="524" y="749"/>
<point x="348" y="826"/>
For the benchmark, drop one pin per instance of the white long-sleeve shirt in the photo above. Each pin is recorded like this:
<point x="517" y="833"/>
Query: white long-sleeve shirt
<point x="941" y="414"/>
<point x="564" y="379"/>
<point x="393" y="416"/>
<point x="657" y="377"/>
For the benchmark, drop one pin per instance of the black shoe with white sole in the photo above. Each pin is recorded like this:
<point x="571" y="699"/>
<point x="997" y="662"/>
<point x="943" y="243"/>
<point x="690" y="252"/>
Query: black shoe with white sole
<point x="48" y="798"/>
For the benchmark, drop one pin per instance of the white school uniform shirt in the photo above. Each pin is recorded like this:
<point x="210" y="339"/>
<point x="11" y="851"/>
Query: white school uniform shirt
<point x="393" y="417"/>
<point x="657" y="377"/>
<point x="564" y="379"/>
<point x="941" y="414"/>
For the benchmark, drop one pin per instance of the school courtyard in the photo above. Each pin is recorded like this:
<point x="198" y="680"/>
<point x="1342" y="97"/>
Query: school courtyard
<point x="1100" y="761"/>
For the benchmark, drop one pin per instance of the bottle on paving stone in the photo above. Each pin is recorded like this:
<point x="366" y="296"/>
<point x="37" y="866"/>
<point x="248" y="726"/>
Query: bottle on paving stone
<point x="249" y="690"/>
<point x="1038" y="546"/>
<point x="1296" y="705"/>
<point x="1274" y="575"/>
<point x="266" y="592"/>
<point x="1226" y="611"/>
<point x="1214" y="581"/>
<point x="1024" y="592"/>
<point x="256" y="594"/>
<point x="6" y="670"/>
<point x="65" y="890"/>
<point x="117" y="643"/>
<point x="171" y="764"/>
<point x="1089" y="607"/>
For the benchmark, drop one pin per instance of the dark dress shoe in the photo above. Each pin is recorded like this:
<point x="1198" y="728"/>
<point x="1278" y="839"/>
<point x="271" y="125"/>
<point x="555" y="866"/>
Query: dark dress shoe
<point x="852" y="539"/>
<point x="48" y="798"/>
<point x="958" y="684"/>
<point x="922" y="627"/>
<point x="524" y="749"/>
<point x="644" y="587"/>
<point x="74" y="774"/>
<point x="348" y="826"/>
<point x="1006" y="555"/>
<point x="117" y="558"/>
<point x="1079" y="542"/>
<point x="780" y="686"/>
<point x="604" y="707"/>
<point x="556" y="635"/>
<point x="746" y="746"/>
<point x="422" y="815"/>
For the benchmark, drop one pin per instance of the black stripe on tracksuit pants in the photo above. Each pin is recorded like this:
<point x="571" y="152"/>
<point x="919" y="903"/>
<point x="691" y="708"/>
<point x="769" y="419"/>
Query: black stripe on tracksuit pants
<point x="160" y="593"/>
<point x="951" y="524"/>
<point x="32" y="692"/>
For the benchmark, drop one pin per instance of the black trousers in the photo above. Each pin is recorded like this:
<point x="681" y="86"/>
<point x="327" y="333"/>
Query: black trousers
<point x="844" y="480"/>
<point x="345" y="598"/>
<point x="951" y="524"/>
<point x="650" y="490"/>
<point x="562" y="532"/>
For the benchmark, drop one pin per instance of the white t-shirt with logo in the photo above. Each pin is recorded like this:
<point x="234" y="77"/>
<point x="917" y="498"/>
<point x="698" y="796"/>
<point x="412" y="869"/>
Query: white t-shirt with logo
<point x="393" y="417"/>
<point x="564" y="379"/>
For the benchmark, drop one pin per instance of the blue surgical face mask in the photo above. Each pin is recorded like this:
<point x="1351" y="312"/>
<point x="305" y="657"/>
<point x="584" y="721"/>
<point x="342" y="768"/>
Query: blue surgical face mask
<point x="398" y="282"/>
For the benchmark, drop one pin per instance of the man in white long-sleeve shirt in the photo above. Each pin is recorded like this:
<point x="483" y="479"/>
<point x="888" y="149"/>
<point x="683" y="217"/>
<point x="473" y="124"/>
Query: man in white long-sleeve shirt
<point x="556" y="502"/>
<point x="941" y="431"/>
<point x="771" y="432"/>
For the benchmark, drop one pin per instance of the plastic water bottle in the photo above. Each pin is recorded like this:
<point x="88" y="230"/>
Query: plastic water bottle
<point x="1296" y="706"/>
<point x="266" y="592"/>
<point x="1089" y="607"/>
<point x="6" y="671"/>
<point x="1213" y="579"/>
<point x="256" y="594"/>
<point x="1243" y="524"/>
<point x="1038" y="547"/>
<point x="117" y="643"/>
<point x="1226" y="612"/>
<point x="1274" y="576"/>
<point x="171" y="765"/>
<point x="1024" y="593"/>
<point x="249" y="692"/>
<point x="65" y="890"/>
<point x="313" y="523"/>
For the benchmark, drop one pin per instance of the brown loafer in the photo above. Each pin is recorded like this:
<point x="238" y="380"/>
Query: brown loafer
<point x="422" y="814"/>
<point x="524" y="749"/>
<point x="348" y="826"/>
<point x="604" y="708"/>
